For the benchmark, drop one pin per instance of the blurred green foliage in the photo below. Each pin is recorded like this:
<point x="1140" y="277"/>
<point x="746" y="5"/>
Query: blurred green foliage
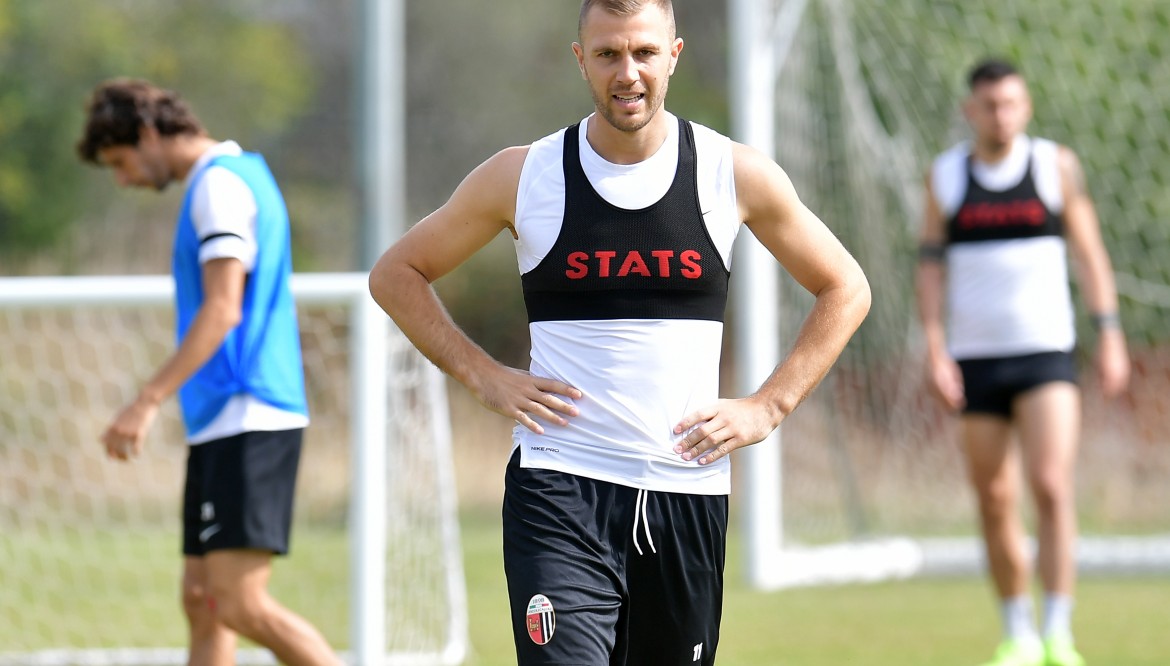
<point x="878" y="85"/>
<point x="480" y="76"/>
<point x="52" y="52"/>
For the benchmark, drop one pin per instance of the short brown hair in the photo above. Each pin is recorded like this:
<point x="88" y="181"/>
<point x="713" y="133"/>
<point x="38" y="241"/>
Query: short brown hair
<point x="625" y="8"/>
<point x="990" y="70"/>
<point x="118" y="109"/>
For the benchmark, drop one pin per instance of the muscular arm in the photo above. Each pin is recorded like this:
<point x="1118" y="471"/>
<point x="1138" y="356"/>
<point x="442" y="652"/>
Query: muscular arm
<point x="814" y="257"/>
<point x="221" y="311"/>
<point x="481" y="207"/>
<point x="945" y="380"/>
<point x="1094" y="272"/>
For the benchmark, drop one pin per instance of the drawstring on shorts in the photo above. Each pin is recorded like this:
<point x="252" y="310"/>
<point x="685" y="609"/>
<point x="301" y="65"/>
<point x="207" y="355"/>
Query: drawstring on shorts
<point x="640" y="509"/>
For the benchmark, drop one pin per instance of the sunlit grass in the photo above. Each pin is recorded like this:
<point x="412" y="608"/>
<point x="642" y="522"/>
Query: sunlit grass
<point x="950" y="622"/>
<point x="131" y="583"/>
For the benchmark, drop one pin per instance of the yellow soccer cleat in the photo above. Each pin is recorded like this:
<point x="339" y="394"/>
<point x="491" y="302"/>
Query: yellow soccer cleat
<point x="1019" y="653"/>
<point x="1060" y="652"/>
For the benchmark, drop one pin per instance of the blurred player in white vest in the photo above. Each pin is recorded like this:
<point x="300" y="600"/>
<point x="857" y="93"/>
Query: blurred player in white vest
<point x="1003" y="213"/>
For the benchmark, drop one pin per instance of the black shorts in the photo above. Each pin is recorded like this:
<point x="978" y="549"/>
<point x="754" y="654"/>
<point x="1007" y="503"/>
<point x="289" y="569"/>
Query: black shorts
<point x="991" y="385"/>
<point x="600" y="573"/>
<point x="239" y="492"/>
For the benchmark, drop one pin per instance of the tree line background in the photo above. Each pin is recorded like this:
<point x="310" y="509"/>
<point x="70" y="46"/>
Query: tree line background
<point x="280" y="79"/>
<point x="869" y="93"/>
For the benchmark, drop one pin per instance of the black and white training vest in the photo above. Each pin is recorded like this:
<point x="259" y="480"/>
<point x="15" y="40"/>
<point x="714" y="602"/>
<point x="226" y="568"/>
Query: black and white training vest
<point x="625" y="271"/>
<point x="1007" y="267"/>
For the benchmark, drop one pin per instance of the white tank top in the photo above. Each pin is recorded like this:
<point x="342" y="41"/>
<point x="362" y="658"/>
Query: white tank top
<point x="639" y="377"/>
<point x="1006" y="296"/>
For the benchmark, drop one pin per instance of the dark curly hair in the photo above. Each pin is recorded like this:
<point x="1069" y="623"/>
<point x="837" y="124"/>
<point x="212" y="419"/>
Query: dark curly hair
<point x="118" y="109"/>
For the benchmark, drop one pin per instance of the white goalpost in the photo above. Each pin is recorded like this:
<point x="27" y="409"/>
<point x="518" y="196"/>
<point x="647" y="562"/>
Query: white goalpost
<point x="852" y="99"/>
<point x="761" y="39"/>
<point x="90" y="547"/>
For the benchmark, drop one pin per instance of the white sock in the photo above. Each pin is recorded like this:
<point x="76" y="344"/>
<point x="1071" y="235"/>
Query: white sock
<point x="1058" y="616"/>
<point x="1018" y="623"/>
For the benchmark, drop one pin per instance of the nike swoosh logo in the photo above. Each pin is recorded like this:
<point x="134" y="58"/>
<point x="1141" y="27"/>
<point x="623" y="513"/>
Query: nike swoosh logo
<point x="208" y="533"/>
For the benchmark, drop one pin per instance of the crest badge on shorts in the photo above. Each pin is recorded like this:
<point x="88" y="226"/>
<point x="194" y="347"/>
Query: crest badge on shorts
<point x="541" y="619"/>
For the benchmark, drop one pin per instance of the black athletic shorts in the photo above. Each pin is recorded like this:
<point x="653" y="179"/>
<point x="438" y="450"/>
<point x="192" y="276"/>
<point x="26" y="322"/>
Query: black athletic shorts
<point x="600" y="573"/>
<point x="239" y="492"/>
<point x="992" y="384"/>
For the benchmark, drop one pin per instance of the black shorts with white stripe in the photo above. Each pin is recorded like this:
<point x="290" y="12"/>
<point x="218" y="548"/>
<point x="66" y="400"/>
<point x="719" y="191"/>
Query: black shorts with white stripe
<point x="600" y="573"/>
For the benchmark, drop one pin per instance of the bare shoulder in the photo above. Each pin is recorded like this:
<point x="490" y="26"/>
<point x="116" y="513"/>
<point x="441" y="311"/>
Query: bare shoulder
<point x="512" y="157"/>
<point x="751" y="164"/>
<point x="490" y="189"/>
<point x="503" y="168"/>
<point x="761" y="186"/>
<point x="1066" y="156"/>
<point x="1072" y="174"/>
<point x="481" y="206"/>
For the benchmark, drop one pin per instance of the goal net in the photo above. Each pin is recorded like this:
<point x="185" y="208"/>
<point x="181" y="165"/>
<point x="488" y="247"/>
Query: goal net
<point x="90" y="547"/>
<point x="866" y="92"/>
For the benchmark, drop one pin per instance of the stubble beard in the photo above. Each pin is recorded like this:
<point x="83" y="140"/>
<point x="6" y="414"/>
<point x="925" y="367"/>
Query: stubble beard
<point x="626" y="123"/>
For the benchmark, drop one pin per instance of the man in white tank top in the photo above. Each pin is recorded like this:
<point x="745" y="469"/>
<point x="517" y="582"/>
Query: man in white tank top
<point x="616" y="496"/>
<point x="1002" y="213"/>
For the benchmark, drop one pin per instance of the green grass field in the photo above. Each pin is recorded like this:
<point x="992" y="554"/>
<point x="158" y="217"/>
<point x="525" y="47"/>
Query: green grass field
<point x="952" y="622"/>
<point x="132" y="584"/>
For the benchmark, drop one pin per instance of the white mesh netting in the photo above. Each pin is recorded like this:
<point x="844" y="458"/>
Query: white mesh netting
<point x="869" y="92"/>
<point x="90" y="547"/>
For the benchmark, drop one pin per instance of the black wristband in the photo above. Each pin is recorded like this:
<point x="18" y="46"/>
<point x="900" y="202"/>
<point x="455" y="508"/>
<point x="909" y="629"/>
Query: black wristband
<point x="1104" y="320"/>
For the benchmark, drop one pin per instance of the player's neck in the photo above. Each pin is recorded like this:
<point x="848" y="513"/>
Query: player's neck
<point x="186" y="151"/>
<point x="993" y="152"/>
<point x="618" y="147"/>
